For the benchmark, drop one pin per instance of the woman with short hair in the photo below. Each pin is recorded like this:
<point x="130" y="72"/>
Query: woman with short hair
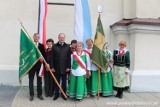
<point x="79" y="66"/>
<point x="121" y="57"/>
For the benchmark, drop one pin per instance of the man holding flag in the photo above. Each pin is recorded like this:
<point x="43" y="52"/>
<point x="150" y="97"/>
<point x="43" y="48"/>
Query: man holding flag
<point x="40" y="42"/>
<point x="31" y="58"/>
<point x="36" y="69"/>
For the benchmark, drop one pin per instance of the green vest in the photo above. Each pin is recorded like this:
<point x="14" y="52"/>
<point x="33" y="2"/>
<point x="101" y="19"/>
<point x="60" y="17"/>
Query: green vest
<point x="75" y="63"/>
<point x="121" y="60"/>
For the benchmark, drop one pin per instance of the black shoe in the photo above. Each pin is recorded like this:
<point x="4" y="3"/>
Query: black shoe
<point x="79" y="100"/>
<point x="51" y="95"/>
<point x="40" y="97"/>
<point x="64" y="98"/>
<point x="93" y="95"/>
<point x="56" y="97"/>
<point x="121" y="95"/>
<point x="117" y="95"/>
<point x="31" y="98"/>
<point x="47" y="95"/>
<point x="118" y="92"/>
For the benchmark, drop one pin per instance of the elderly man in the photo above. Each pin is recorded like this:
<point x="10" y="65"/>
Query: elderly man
<point x="35" y="70"/>
<point x="60" y="63"/>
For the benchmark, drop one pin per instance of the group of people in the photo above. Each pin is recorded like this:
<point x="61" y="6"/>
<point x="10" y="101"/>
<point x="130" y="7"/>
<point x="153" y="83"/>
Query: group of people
<point x="77" y="74"/>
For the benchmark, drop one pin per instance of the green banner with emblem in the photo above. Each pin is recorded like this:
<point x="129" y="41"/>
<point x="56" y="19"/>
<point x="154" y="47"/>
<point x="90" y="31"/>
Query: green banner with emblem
<point x="29" y="54"/>
<point x="100" y="47"/>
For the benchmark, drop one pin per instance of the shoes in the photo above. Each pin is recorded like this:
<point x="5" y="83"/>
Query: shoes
<point x="92" y="95"/>
<point x="47" y="95"/>
<point x="64" y="98"/>
<point x="56" y="97"/>
<point x="88" y="95"/>
<point x="121" y="95"/>
<point x="79" y="100"/>
<point x="40" y="97"/>
<point x="31" y="98"/>
<point x="51" y="95"/>
<point x="117" y="95"/>
<point x="118" y="92"/>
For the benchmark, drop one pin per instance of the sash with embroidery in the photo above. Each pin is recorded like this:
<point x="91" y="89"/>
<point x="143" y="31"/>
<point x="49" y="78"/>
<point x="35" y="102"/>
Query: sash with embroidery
<point x="88" y="52"/>
<point x="79" y="60"/>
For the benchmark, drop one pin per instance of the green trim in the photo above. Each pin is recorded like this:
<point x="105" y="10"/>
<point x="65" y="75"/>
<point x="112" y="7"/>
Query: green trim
<point x="26" y="38"/>
<point x="28" y="70"/>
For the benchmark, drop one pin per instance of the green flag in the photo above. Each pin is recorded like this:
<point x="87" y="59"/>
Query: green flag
<point x="100" y="47"/>
<point x="29" y="54"/>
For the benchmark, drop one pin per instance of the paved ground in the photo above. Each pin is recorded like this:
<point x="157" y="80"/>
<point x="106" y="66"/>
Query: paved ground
<point x="7" y="94"/>
<point x="18" y="97"/>
<point x="130" y="100"/>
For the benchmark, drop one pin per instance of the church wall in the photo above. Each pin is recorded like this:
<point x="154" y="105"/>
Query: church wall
<point x="59" y="19"/>
<point x="129" y="9"/>
<point x="147" y="8"/>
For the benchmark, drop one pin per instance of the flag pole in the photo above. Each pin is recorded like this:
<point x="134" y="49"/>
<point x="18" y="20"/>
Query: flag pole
<point x="45" y="63"/>
<point x="98" y="77"/>
<point x="100" y="10"/>
<point x="98" y="83"/>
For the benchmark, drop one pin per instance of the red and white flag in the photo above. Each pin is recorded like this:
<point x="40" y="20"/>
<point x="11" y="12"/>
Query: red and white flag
<point x="42" y="29"/>
<point x="42" y="21"/>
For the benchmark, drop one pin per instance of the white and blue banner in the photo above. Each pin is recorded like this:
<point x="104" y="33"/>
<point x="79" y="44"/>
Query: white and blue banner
<point x="82" y="21"/>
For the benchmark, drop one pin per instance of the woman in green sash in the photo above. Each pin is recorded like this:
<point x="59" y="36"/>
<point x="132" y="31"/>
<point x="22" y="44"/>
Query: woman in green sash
<point x="80" y="65"/>
<point x="106" y="78"/>
<point x="121" y="70"/>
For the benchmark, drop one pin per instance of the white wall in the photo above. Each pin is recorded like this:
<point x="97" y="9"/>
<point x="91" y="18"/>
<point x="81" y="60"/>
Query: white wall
<point x="147" y="52"/>
<point x="10" y="11"/>
<point x="141" y="9"/>
<point x="10" y="27"/>
<point x="129" y="8"/>
<point x="147" y="8"/>
<point x="146" y="73"/>
<point x="144" y="41"/>
<point x="59" y="19"/>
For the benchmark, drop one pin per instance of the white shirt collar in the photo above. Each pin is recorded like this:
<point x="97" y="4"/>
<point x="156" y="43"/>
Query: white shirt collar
<point x="36" y="43"/>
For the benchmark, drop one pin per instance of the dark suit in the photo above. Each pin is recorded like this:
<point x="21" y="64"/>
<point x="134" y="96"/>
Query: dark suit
<point x="60" y="61"/>
<point x="35" y="69"/>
